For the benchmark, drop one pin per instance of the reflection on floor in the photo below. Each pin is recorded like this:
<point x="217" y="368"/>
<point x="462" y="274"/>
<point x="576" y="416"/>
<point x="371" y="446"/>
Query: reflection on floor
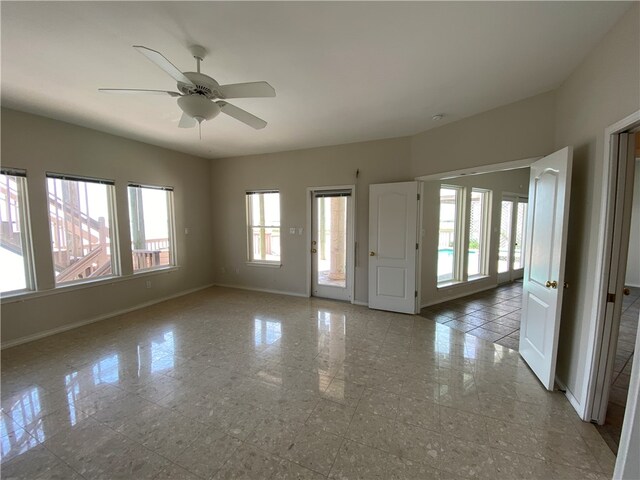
<point x="493" y="315"/>
<point x="612" y="428"/>
<point x="229" y="384"/>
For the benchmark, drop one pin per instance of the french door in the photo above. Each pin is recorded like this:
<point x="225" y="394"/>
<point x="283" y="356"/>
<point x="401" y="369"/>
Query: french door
<point x="331" y="240"/>
<point x="511" y="247"/>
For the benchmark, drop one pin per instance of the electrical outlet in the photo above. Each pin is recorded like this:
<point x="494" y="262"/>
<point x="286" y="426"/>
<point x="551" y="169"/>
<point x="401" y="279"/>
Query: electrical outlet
<point x="147" y="284"/>
<point x="186" y="231"/>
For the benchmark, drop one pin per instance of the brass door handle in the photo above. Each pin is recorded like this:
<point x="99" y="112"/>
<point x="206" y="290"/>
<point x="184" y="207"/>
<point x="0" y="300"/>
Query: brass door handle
<point x="372" y="254"/>
<point x="313" y="250"/>
<point x="551" y="284"/>
<point x="626" y="291"/>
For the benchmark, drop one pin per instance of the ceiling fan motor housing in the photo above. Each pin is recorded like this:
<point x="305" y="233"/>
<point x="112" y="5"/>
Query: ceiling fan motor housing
<point x="202" y="85"/>
<point x="198" y="107"/>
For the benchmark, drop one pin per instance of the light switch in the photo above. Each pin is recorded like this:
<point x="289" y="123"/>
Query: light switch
<point x="300" y="231"/>
<point x="292" y="230"/>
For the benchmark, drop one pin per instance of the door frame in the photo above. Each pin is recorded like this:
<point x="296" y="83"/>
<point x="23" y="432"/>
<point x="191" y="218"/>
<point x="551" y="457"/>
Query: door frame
<point x="351" y="233"/>
<point x="599" y="324"/>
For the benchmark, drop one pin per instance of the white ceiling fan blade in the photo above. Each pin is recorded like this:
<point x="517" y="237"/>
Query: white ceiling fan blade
<point x="138" y="90"/>
<point x="247" y="90"/>
<point x="186" y="121"/>
<point x="161" y="61"/>
<point x="242" y="115"/>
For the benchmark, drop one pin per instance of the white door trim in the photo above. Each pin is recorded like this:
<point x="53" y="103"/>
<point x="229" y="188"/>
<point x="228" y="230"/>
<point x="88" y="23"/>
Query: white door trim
<point x="601" y="274"/>
<point x="351" y="233"/>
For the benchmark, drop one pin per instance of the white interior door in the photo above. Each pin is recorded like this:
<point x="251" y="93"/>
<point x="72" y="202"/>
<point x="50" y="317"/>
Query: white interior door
<point x="393" y="246"/>
<point x="549" y="189"/>
<point x="331" y="240"/>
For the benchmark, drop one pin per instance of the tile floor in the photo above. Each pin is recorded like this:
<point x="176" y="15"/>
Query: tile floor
<point x="612" y="428"/>
<point x="227" y="384"/>
<point x="493" y="315"/>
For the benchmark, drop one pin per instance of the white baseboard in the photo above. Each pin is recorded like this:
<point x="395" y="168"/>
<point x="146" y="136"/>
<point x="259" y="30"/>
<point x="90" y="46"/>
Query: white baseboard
<point x="454" y="296"/>
<point x="264" y="290"/>
<point x="572" y="400"/>
<point x="71" y="326"/>
<point x="358" y="302"/>
<point x="629" y="284"/>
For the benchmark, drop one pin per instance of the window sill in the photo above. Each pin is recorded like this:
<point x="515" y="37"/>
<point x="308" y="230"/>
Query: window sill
<point x="264" y="264"/>
<point x="164" y="268"/>
<point x="22" y="295"/>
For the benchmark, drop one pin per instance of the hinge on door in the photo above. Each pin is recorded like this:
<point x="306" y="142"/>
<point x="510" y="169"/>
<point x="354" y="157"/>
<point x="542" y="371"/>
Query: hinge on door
<point x="416" y="246"/>
<point x="416" y="295"/>
<point x="611" y="297"/>
<point x="418" y="197"/>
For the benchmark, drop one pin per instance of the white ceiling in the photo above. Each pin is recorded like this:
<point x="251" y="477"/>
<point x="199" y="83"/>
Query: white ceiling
<point x="343" y="72"/>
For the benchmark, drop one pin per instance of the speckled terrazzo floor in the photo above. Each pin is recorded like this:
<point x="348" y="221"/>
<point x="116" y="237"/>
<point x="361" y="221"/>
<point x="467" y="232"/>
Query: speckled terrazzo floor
<point x="232" y="384"/>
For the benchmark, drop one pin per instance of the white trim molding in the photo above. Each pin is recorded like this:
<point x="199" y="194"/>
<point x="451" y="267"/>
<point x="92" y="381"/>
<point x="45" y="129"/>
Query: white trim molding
<point x="71" y="326"/>
<point x="601" y="277"/>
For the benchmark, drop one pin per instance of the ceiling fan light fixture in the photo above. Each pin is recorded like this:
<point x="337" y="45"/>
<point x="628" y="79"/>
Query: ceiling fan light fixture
<point x="198" y="107"/>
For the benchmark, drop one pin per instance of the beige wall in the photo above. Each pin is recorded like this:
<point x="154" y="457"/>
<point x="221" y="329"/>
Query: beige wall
<point x="292" y="173"/>
<point x="523" y="129"/>
<point x="604" y="89"/>
<point x="400" y="159"/>
<point x="39" y="145"/>
<point x="499" y="183"/>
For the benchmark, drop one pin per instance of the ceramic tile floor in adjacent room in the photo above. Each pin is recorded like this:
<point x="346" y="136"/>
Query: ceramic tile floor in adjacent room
<point x="228" y="384"/>
<point x="493" y="315"/>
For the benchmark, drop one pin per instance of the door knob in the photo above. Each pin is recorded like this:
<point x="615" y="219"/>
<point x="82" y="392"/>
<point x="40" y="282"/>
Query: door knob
<point x="372" y="254"/>
<point x="551" y="284"/>
<point x="626" y="291"/>
<point x="566" y="285"/>
<point x="313" y="250"/>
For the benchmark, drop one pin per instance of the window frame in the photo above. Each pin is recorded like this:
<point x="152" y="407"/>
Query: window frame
<point x="485" y="232"/>
<point x="250" y="226"/>
<point x="171" y="227"/>
<point x="26" y="237"/>
<point x="459" y="235"/>
<point x="114" y="244"/>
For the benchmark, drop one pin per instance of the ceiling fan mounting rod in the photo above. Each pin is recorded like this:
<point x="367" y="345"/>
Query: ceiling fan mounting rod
<point x="198" y="52"/>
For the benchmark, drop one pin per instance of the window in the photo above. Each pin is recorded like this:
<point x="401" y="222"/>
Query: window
<point x="478" y="232"/>
<point x="15" y="238"/>
<point x="151" y="220"/>
<point x="504" y="246"/>
<point x="513" y="221"/>
<point x="521" y="221"/>
<point x="448" y="236"/>
<point x="80" y="220"/>
<point x="263" y="226"/>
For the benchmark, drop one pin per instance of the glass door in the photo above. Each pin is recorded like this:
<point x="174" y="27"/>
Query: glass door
<point x="511" y="247"/>
<point x="330" y="240"/>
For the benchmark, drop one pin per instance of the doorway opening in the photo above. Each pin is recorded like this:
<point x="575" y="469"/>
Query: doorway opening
<point x="331" y="243"/>
<point x="621" y="311"/>
<point x="481" y="224"/>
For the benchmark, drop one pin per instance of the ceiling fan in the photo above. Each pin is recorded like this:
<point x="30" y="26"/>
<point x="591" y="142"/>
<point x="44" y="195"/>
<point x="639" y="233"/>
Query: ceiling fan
<point x="200" y="97"/>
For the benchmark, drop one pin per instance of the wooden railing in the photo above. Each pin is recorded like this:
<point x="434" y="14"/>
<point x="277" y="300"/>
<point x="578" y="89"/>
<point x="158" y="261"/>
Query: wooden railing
<point x="155" y="254"/>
